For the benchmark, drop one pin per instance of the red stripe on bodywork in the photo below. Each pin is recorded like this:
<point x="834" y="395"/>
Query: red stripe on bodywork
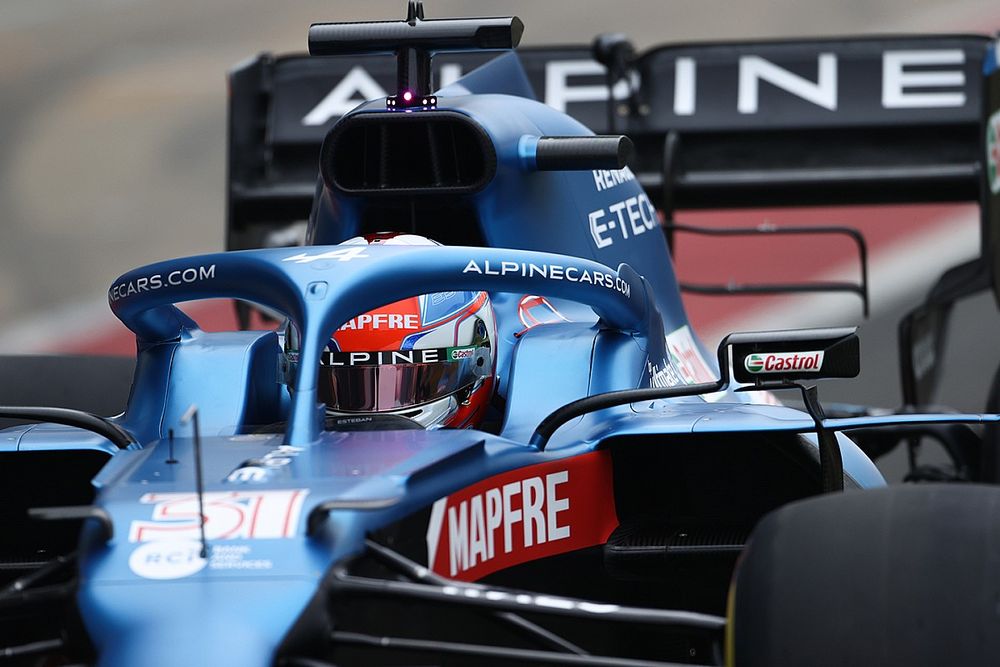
<point x="523" y="515"/>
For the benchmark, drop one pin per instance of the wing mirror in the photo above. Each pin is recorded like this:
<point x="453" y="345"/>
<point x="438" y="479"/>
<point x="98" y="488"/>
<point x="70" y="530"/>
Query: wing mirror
<point x="768" y="360"/>
<point x="781" y="357"/>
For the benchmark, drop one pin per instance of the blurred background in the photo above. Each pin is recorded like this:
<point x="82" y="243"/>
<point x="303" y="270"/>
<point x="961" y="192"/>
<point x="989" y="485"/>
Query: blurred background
<point x="112" y="155"/>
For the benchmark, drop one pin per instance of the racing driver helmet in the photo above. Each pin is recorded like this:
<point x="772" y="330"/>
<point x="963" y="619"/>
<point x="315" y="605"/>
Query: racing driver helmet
<point x="430" y="358"/>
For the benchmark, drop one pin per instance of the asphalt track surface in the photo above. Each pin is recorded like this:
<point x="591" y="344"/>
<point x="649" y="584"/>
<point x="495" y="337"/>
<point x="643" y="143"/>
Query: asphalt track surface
<point x="112" y="139"/>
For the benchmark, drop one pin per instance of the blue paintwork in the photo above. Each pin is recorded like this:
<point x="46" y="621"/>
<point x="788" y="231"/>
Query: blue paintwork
<point x="990" y="60"/>
<point x="239" y="616"/>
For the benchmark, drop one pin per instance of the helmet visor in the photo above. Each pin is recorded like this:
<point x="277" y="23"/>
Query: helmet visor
<point x="392" y="380"/>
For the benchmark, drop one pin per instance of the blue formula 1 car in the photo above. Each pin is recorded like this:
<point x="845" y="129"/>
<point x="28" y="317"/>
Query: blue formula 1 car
<point x="290" y="496"/>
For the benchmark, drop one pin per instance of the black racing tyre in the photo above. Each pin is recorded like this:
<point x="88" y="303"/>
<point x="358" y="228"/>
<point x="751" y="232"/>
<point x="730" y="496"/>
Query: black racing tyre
<point x="906" y="575"/>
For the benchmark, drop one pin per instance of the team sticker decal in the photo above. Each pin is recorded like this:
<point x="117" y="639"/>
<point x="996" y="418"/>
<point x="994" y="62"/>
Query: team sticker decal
<point x="784" y="362"/>
<point x="684" y="364"/>
<point x="157" y="281"/>
<point x="169" y="542"/>
<point x="686" y="358"/>
<point x="522" y="515"/>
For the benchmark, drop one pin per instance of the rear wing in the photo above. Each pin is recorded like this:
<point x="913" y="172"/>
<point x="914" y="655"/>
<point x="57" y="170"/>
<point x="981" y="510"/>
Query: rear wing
<point x="860" y="120"/>
<point x="823" y="121"/>
<point x="839" y="121"/>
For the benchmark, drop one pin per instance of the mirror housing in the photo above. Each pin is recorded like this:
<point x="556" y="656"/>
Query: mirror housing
<point x="779" y="357"/>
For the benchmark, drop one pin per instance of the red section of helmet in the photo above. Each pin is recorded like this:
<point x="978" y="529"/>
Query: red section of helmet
<point x="472" y="411"/>
<point x="381" y="329"/>
<point x="382" y="237"/>
<point x="387" y="327"/>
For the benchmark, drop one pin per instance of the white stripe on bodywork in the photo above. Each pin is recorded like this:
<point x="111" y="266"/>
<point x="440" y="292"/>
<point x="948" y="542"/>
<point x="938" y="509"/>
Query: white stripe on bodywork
<point x="434" y="530"/>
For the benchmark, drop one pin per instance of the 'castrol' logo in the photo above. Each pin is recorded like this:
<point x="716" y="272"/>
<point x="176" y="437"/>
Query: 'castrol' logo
<point x="783" y="362"/>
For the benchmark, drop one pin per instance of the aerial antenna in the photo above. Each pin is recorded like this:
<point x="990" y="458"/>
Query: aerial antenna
<point x="170" y="446"/>
<point x="413" y="42"/>
<point x="413" y="66"/>
<point x="192" y="416"/>
<point x="617" y="54"/>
